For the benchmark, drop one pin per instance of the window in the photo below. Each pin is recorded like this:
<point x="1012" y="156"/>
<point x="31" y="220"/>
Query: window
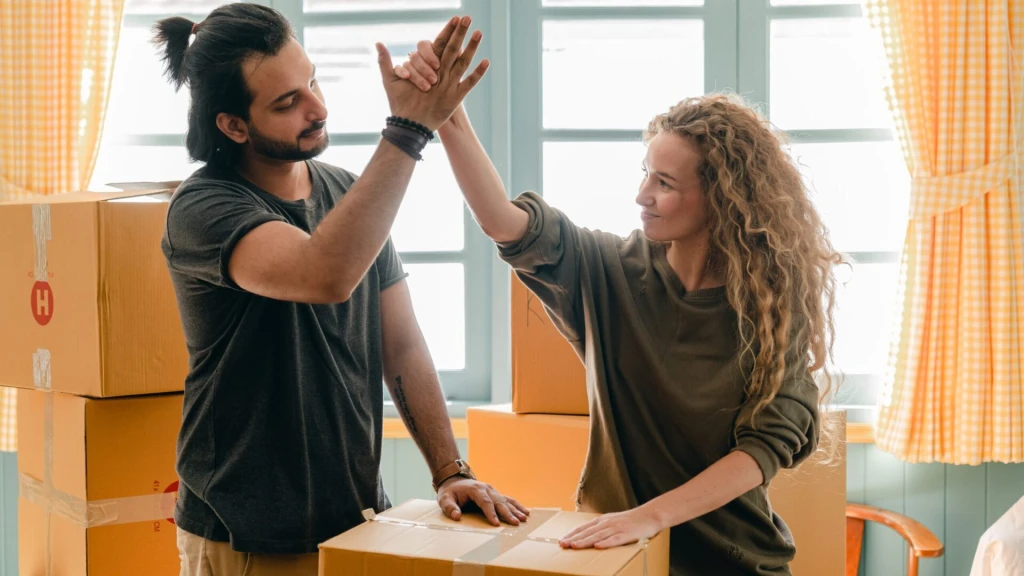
<point x="825" y="80"/>
<point x="550" y="109"/>
<point x="813" y="65"/>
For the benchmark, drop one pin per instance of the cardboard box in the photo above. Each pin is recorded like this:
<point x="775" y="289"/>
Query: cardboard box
<point x="547" y="375"/>
<point x="537" y="459"/>
<point x="416" y="539"/>
<point x="108" y="509"/>
<point x="84" y="290"/>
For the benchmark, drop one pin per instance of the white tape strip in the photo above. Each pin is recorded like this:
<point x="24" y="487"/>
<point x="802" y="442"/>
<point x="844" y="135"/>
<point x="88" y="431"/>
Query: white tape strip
<point x="41" y="232"/>
<point x="98" y="512"/>
<point x="41" y="369"/>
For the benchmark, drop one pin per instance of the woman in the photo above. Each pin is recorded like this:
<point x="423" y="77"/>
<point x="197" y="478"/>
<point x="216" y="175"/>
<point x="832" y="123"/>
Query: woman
<point x="702" y="333"/>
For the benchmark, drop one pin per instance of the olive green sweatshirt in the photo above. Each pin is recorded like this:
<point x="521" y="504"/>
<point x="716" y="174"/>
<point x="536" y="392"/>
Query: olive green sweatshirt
<point x="666" y="388"/>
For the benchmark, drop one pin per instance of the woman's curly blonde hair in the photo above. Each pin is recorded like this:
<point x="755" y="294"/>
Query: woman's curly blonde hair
<point x="766" y="237"/>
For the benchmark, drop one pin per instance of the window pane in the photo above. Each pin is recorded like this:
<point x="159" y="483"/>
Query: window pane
<point x="598" y="199"/>
<point x="827" y="73"/>
<point x="141" y="164"/>
<point x="171" y="6"/>
<point x="377" y="5"/>
<point x="864" y="317"/>
<point x="592" y="68"/>
<point x="439" y="300"/>
<point x="142" y="101"/>
<point x="622" y="3"/>
<point x="431" y="216"/>
<point x="347" y="70"/>
<point x="862" y="190"/>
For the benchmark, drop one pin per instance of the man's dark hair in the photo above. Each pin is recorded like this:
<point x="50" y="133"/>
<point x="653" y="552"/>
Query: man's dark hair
<point x="212" y="69"/>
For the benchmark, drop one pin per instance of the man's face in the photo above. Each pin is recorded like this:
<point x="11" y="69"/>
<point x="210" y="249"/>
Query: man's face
<point x="287" y="118"/>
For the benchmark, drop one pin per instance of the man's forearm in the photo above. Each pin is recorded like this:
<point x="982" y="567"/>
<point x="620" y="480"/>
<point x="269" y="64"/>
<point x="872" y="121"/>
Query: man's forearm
<point x="416" y="392"/>
<point x="351" y="236"/>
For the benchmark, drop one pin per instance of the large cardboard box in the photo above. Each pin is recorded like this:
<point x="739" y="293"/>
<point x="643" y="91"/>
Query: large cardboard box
<point x="103" y="505"/>
<point x="547" y="375"/>
<point x="85" y="293"/>
<point x="537" y="459"/>
<point x="416" y="539"/>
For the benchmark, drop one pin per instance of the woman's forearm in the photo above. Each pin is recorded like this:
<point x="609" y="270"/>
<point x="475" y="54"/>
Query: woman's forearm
<point x="724" y="481"/>
<point x="499" y="219"/>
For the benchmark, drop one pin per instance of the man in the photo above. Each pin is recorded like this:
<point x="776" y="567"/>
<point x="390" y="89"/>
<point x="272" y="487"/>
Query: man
<point x="293" y="301"/>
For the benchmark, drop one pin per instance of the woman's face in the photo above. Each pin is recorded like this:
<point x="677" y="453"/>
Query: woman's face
<point x="671" y="199"/>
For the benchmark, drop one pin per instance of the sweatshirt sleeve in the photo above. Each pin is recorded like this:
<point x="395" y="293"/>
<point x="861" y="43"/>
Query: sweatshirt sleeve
<point x="785" y="431"/>
<point x="548" y="259"/>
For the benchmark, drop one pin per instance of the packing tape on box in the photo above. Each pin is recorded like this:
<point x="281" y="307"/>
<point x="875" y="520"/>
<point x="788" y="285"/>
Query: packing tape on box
<point x="41" y="232"/>
<point x="89" y="514"/>
<point x="474" y="562"/>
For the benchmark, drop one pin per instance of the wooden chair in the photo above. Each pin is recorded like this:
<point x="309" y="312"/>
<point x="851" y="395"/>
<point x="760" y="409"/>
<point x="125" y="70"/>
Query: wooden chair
<point x="921" y="542"/>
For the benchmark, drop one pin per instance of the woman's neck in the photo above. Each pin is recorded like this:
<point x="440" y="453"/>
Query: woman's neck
<point x="689" y="259"/>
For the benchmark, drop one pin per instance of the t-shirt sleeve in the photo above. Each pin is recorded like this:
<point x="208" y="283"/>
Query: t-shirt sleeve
<point x="785" y="431"/>
<point x="203" y="227"/>
<point x="389" y="266"/>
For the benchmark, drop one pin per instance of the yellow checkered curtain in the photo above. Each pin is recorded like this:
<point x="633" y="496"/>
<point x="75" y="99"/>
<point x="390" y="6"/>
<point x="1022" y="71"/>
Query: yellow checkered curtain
<point x="954" y="391"/>
<point x="56" y="61"/>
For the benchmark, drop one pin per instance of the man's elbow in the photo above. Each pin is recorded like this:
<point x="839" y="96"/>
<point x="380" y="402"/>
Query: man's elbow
<point x="337" y="292"/>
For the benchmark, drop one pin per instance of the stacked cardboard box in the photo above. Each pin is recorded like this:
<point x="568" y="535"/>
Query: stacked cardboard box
<point x="547" y="375"/>
<point x="92" y="339"/>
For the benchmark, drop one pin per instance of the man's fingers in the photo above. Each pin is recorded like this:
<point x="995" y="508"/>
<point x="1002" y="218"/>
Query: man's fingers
<point x="417" y="63"/>
<point x="454" y="45"/>
<point x="506" y="514"/>
<point x="486" y="505"/>
<point x="474" y="78"/>
<point x="521" y="511"/>
<point x="426" y="51"/>
<point x="444" y="37"/>
<point x="387" y="69"/>
<point x="449" y="507"/>
<point x="466" y="58"/>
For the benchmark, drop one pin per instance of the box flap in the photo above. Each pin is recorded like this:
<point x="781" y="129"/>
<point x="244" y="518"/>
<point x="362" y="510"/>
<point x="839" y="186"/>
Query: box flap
<point x="155" y="188"/>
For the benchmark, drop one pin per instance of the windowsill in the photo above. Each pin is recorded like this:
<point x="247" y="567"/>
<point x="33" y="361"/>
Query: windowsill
<point x="856" y="432"/>
<point x="860" y="433"/>
<point x="394" y="428"/>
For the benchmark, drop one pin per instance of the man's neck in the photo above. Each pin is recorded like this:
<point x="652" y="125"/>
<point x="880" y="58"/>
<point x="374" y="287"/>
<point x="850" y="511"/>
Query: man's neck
<point x="287" y="180"/>
<point x="689" y="260"/>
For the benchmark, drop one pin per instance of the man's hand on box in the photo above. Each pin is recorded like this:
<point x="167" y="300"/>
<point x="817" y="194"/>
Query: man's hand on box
<point x="458" y="492"/>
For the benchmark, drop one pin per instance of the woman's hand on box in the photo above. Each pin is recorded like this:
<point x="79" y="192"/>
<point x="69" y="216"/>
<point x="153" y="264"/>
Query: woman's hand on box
<point x="611" y="530"/>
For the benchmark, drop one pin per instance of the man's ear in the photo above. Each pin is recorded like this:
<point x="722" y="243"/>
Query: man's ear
<point x="233" y="127"/>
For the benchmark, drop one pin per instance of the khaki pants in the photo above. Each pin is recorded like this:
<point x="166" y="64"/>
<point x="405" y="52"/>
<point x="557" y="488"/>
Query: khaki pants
<point x="202" y="557"/>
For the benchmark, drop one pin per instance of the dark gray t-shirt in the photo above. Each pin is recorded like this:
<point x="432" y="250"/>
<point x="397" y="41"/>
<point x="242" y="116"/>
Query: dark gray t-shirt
<point x="280" y="442"/>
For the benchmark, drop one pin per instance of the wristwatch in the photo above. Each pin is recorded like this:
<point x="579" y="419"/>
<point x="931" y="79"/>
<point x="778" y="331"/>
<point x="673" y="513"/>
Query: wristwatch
<point x="456" y="468"/>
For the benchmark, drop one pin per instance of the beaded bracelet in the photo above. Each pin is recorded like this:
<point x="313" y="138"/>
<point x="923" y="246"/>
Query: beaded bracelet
<point x="411" y="124"/>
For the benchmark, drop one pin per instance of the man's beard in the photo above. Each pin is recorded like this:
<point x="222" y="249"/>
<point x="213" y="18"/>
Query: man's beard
<point x="285" y="150"/>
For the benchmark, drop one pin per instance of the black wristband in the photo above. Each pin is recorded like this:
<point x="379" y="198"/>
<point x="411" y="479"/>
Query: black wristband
<point x="406" y="139"/>
<point x="411" y="124"/>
